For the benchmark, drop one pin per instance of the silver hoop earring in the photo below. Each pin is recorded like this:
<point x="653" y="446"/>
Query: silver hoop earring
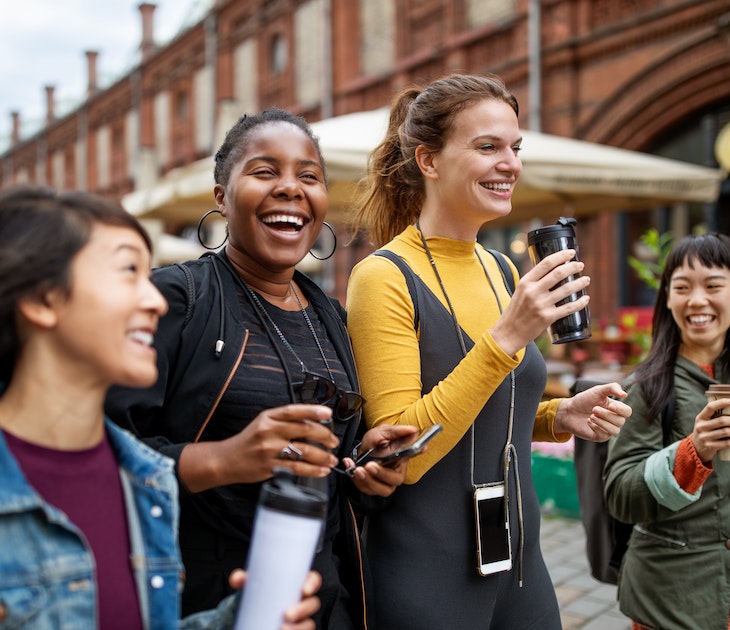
<point x="200" y="225"/>
<point x="334" y="245"/>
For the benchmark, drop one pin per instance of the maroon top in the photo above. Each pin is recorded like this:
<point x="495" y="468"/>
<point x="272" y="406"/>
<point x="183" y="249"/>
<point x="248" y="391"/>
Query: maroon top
<point x="85" y="485"/>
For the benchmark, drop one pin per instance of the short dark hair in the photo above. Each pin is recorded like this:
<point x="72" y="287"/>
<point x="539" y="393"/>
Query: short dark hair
<point x="236" y="140"/>
<point x="41" y="230"/>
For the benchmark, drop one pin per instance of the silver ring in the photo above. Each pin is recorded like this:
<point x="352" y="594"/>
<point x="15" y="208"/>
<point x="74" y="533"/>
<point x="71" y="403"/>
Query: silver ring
<point x="291" y="452"/>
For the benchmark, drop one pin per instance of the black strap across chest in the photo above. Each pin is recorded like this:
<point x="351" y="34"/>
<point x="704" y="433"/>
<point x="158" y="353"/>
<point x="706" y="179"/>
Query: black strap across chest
<point x="410" y="277"/>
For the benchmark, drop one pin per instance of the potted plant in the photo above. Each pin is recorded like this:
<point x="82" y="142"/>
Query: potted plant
<point x="648" y="264"/>
<point x="654" y="248"/>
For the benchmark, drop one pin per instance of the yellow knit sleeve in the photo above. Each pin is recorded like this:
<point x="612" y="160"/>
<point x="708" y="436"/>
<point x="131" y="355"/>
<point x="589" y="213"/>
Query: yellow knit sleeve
<point x="543" y="429"/>
<point x="380" y="321"/>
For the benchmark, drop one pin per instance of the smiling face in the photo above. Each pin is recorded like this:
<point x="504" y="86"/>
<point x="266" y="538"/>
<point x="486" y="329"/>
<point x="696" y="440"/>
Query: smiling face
<point x="104" y="327"/>
<point x="699" y="300"/>
<point x="471" y="180"/>
<point x="275" y="200"/>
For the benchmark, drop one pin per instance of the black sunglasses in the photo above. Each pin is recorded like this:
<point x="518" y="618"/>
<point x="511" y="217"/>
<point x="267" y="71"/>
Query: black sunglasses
<point x="318" y="389"/>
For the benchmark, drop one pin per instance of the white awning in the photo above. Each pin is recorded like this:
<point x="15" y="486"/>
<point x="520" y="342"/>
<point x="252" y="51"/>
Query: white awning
<point x="561" y="176"/>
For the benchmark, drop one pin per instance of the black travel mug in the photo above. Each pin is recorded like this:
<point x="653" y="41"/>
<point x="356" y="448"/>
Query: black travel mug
<point x="288" y="524"/>
<point x="545" y="241"/>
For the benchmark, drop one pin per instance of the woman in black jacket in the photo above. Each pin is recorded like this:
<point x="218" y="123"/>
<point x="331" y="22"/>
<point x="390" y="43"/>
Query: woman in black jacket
<point x="253" y="358"/>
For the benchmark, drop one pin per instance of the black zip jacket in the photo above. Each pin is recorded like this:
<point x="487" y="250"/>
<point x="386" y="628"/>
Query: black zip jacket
<point x="200" y="343"/>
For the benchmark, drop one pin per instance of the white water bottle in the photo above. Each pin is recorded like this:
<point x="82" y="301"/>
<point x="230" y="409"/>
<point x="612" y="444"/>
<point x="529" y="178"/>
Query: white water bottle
<point x="289" y="519"/>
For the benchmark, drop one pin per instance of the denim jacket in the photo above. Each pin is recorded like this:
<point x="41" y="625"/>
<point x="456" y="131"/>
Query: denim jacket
<point x="47" y="569"/>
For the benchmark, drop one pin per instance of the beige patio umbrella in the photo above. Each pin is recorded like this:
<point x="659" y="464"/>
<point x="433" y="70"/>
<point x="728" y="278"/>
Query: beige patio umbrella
<point x="561" y="176"/>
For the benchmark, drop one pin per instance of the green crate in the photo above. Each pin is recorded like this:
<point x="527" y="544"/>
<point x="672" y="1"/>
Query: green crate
<point x="556" y="486"/>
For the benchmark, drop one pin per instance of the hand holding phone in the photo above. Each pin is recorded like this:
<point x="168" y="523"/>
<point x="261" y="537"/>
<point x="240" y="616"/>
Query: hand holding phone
<point x="400" y="450"/>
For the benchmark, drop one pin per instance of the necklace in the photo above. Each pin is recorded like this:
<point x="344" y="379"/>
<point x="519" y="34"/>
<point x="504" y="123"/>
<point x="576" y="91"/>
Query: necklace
<point x="509" y="454"/>
<point x="303" y="311"/>
<point x="509" y="448"/>
<point x="280" y="334"/>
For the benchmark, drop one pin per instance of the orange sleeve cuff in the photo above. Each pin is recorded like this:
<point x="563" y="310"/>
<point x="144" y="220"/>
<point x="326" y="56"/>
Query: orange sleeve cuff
<point x="689" y="470"/>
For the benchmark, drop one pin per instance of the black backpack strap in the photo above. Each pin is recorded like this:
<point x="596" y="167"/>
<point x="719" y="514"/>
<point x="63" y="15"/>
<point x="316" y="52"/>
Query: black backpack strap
<point x="504" y="269"/>
<point x="190" y="293"/>
<point x="622" y="531"/>
<point x="410" y="280"/>
<point x="667" y="419"/>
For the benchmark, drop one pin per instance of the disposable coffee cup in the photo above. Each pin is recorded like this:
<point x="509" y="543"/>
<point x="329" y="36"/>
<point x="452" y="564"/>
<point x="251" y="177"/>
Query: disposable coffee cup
<point x="289" y="519"/>
<point x="715" y="392"/>
<point x="719" y="388"/>
<point x="545" y="241"/>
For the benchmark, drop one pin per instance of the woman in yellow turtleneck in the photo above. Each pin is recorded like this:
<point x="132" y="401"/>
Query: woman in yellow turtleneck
<point x="459" y="351"/>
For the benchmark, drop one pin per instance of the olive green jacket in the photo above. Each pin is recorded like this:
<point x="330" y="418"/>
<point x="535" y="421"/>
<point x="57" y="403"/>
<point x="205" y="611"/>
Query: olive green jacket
<point x="676" y="572"/>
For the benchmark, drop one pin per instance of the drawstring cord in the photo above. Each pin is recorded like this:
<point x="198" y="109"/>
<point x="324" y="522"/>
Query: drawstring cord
<point x="219" y="344"/>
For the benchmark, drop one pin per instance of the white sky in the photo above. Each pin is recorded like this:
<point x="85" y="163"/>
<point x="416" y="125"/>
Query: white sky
<point x="43" y="42"/>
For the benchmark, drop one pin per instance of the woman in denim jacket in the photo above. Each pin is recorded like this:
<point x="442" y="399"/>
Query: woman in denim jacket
<point x="88" y="514"/>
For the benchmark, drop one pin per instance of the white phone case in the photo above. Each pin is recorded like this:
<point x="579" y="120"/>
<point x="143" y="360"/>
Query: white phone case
<point x="494" y="544"/>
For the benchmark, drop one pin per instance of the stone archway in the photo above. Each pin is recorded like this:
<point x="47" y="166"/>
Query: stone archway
<point x="691" y="79"/>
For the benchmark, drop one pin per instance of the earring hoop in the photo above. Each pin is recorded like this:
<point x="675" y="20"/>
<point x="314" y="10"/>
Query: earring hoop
<point x="334" y="246"/>
<point x="200" y="225"/>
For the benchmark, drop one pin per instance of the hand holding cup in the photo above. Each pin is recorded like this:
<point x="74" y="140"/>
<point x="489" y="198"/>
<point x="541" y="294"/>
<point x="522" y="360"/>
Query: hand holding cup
<point x="718" y="391"/>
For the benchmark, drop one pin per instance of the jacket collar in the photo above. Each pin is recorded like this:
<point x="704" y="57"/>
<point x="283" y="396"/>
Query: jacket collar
<point x="137" y="459"/>
<point x="327" y="309"/>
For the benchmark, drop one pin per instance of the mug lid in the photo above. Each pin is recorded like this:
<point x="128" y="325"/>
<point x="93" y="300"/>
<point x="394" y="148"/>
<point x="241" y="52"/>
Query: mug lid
<point x="283" y="494"/>
<point x="562" y="227"/>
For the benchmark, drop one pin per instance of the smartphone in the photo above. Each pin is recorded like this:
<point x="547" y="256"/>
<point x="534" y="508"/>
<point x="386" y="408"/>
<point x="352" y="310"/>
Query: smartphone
<point x="399" y="450"/>
<point x="494" y="545"/>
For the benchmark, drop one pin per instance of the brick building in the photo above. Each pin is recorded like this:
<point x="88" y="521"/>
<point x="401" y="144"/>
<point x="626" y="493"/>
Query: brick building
<point x="645" y="75"/>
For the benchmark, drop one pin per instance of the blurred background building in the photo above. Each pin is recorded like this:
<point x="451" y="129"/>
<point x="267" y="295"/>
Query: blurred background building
<point x="647" y="76"/>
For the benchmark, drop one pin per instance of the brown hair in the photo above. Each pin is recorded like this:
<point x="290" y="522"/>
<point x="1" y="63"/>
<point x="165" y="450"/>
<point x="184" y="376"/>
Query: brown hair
<point x="418" y="116"/>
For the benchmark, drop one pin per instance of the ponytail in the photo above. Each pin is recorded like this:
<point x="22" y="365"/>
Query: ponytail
<point x="395" y="188"/>
<point x="394" y="185"/>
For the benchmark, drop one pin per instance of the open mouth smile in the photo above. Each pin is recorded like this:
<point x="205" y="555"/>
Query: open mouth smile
<point x="141" y="336"/>
<point x="700" y="320"/>
<point x="284" y="222"/>
<point x="499" y="187"/>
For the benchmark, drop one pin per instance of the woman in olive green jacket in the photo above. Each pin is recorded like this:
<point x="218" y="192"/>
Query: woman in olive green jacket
<point x="676" y="571"/>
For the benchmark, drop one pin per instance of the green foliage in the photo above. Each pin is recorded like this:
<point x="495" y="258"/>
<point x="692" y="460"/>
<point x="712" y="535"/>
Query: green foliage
<point x="650" y="271"/>
<point x="543" y="344"/>
<point x="640" y="338"/>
